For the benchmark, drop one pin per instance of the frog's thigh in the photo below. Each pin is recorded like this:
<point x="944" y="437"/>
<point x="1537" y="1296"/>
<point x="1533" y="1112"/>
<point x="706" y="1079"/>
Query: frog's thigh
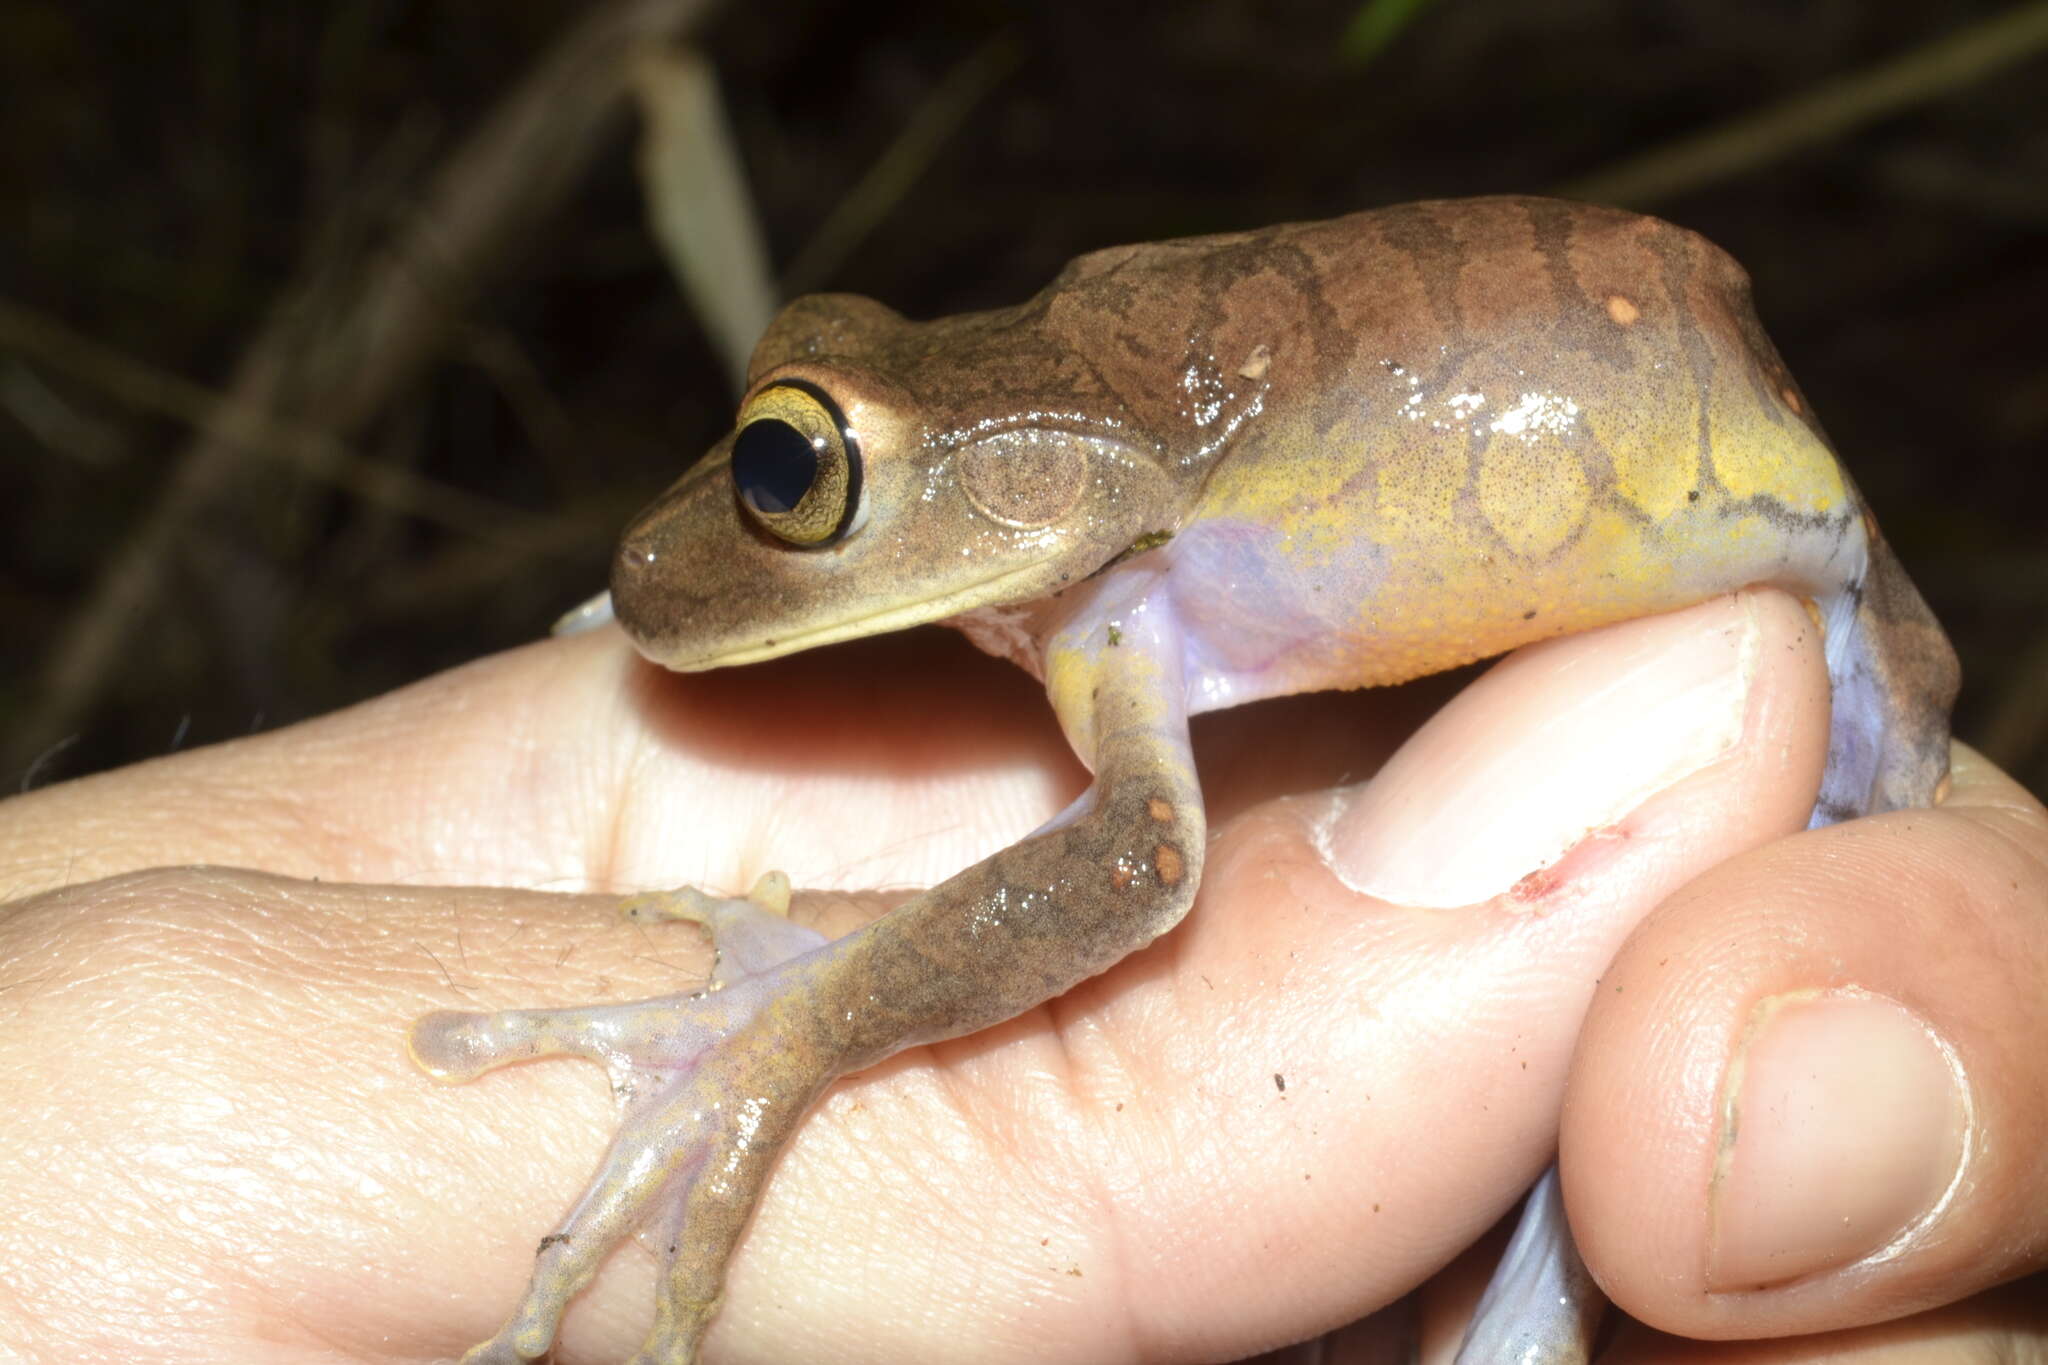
<point x="1541" y="1307"/>
<point x="1893" y="676"/>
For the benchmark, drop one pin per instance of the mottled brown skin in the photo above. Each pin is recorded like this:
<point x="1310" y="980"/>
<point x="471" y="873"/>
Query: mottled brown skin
<point x="1182" y="477"/>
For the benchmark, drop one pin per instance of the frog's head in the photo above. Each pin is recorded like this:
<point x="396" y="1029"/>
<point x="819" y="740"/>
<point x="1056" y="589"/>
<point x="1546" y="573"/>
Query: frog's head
<point x="882" y="474"/>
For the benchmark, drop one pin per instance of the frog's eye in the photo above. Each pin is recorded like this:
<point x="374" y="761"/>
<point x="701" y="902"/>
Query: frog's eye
<point x="795" y="466"/>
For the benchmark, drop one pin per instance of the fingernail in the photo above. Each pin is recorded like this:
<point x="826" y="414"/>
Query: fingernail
<point x="1844" y="1125"/>
<point x="1553" y="744"/>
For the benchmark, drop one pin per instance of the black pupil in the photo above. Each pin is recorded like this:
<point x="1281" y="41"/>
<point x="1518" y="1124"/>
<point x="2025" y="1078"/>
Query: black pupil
<point x="773" y="465"/>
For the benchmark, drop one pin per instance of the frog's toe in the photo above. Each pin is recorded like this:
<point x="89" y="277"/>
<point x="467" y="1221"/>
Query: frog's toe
<point x="661" y="1147"/>
<point x="752" y="934"/>
<point x="460" y="1045"/>
<point x="770" y="894"/>
<point x="505" y="1349"/>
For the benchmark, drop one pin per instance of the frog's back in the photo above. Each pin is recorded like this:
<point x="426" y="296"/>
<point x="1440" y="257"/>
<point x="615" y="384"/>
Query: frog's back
<point x="1488" y="422"/>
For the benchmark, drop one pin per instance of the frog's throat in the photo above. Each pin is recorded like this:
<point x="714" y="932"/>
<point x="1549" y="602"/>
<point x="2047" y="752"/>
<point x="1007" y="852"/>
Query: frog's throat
<point x="996" y="590"/>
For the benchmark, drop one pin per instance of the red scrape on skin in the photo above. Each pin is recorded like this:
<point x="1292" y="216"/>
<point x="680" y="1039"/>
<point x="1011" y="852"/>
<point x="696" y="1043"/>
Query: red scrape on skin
<point x="1546" y="883"/>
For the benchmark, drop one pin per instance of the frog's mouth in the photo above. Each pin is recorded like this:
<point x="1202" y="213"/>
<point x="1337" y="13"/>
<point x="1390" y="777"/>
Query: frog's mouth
<point x="996" y="590"/>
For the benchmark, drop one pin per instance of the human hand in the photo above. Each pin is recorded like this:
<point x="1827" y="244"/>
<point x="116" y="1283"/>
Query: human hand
<point x="229" y="1158"/>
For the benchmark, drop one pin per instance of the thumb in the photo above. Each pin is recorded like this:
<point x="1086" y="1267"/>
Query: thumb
<point x="1810" y="1091"/>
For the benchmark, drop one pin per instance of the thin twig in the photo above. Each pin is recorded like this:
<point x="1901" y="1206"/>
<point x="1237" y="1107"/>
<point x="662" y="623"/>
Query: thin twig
<point x="1821" y="114"/>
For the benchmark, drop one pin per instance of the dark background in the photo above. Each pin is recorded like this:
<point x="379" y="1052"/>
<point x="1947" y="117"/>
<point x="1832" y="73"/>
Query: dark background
<point x="184" y="184"/>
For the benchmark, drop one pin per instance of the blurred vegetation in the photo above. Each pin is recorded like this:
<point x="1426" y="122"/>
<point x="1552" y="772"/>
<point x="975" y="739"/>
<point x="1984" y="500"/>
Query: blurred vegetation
<point x="194" y="191"/>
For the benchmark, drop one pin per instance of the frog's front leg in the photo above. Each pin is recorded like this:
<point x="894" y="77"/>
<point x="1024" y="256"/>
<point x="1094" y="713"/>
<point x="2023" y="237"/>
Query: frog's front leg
<point x="714" y="1083"/>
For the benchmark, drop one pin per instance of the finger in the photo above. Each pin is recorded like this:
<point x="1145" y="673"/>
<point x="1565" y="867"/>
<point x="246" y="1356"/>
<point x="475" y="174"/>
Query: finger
<point x="574" y="766"/>
<point x="1811" y="1090"/>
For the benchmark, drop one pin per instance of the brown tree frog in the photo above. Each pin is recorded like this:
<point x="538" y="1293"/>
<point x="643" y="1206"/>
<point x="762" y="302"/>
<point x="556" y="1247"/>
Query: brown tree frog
<point x="1185" y="476"/>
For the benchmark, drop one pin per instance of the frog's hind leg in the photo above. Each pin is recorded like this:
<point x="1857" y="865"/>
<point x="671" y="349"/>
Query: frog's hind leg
<point x="679" y="1114"/>
<point x="1541" y="1307"/>
<point x="1893" y="676"/>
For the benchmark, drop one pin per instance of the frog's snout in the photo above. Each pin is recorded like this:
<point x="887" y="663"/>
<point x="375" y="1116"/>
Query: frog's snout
<point x="695" y="587"/>
<point x="652" y="594"/>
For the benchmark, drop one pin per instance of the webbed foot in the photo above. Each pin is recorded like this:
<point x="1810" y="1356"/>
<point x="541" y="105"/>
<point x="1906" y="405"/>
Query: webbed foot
<point x="709" y="1088"/>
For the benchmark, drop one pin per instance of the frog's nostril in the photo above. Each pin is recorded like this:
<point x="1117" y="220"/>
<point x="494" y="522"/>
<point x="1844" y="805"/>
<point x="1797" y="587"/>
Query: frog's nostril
<point x="636" y="569"/>
<point x="637" y="555"/>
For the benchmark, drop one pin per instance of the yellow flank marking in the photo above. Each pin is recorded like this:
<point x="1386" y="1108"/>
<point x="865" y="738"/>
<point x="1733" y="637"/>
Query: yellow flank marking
<point x="1284" y="496"/>
<point x="1653" y="447"/>
<point x="1755" y="456"/>
<point x="1418" y="488"/>
<point x="1622" y="310"/>
<point x="1527" y="540"/>
<point x="1447" y="603"/>
<point x="1533" y="491"/>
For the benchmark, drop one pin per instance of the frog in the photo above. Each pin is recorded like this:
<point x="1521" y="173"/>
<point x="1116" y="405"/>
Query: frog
<point x="1185" y="476"/>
